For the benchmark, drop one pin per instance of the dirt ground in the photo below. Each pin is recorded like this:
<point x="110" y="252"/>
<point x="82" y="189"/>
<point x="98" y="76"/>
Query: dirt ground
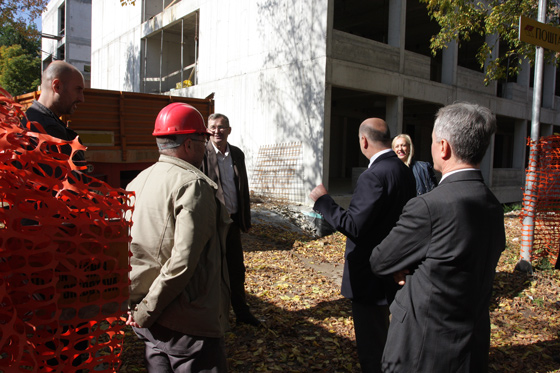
<point x="293" y="287"/>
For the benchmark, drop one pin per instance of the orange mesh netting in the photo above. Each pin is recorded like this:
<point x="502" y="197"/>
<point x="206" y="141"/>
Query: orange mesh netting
<point x="63" y="256"/>
<point x="545" y="200"/>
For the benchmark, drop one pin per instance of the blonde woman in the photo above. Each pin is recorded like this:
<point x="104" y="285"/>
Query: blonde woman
<point x="423" y="171"/>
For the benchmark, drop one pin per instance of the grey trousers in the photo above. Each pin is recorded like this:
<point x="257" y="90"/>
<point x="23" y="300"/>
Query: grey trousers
<point x="171" y="351"/>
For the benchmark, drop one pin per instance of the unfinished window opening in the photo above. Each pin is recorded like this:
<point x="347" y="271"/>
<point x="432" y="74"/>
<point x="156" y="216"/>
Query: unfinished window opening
<point x="61" y="19"/>
<point x="348" y="109"/>
<point x="504" y="143"/>
<point x="418" y="123"/>
<point x="170" y="56"/>
<point x="368" y="19"/>
<point x="467" y="53"/>
<point x="60" y="53"/>
<point x="47" y="61"/>
<point x="154" y="7"/>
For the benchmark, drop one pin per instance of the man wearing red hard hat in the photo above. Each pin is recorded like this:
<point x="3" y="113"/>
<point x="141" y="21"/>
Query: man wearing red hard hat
<point x="179" y="292"/>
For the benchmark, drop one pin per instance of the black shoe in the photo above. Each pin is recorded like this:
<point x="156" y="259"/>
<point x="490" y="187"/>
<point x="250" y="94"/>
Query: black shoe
<point x="248" y="319"/>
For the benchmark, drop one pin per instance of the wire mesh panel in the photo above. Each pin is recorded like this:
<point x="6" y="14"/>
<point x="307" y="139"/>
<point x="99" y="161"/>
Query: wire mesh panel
<point x="277" y="174"/>
<point x="546" y="205"/>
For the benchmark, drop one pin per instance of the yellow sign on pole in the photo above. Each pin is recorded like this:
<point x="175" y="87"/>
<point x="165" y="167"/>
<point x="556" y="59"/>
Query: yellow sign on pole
<point x="537" y="33"/>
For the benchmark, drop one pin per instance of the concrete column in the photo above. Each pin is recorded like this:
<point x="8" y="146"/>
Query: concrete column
<point x="494" y="42"/>
<point x="519" y="143"/>
<point x="449" y="64"/>
<point x="324" y="159"/>
<point x="524" y="76"/>
<point x="549" y="86"/>
<point x="397" y="23"/>
<point x="394" y="114"/>
<point x="397" y="28"/>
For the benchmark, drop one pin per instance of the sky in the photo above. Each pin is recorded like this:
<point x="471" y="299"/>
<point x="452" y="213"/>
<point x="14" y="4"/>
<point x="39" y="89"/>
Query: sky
<point x="37" y="20"/>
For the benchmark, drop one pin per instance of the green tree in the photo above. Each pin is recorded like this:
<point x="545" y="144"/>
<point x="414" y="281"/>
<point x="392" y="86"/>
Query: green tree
<point x="21" y="13"/>
<point x="20" y="72"/>
<point x="460" y="19"/>
<point x="29" y="40"/>
<point x="20" y="61"/>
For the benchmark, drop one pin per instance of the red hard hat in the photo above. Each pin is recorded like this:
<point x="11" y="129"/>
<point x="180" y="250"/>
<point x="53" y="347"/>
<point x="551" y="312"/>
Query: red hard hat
<point x="179" y="118"/>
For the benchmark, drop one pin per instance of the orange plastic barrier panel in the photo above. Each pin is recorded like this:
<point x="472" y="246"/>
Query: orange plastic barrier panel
<point x="546" y="199"/>
<point x="64" y="257"/>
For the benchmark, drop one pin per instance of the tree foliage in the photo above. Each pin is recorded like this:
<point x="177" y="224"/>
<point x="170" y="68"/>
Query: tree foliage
<point x="21" y="13"/>
<point x="20" y="72"/>
<point x="461" y="19"/>
<point x="20" y="62"/>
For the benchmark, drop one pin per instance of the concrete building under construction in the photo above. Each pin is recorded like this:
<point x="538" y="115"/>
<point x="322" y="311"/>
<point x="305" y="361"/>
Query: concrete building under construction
<point x="66" y="34"/>
<point x="296" y="78"/>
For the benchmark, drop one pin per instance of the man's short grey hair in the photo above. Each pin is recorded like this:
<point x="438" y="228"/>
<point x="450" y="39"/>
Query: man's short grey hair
<point x="170" y="141"/>
<point x="217" y="116"/>
<point x="468" y="128"/>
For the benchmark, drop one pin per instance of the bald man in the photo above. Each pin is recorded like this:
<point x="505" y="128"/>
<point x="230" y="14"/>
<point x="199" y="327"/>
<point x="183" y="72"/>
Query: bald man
<point x="62" y="90"/>
<point x="380" y="195"/>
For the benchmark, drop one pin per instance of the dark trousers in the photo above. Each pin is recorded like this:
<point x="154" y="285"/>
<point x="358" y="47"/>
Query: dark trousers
<point x="371" y="324"/>
<point x="171" y="351"/>
<point x="236" y="269"/>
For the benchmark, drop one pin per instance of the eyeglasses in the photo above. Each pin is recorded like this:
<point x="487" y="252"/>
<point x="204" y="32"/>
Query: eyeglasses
<point x="217" y="129"/>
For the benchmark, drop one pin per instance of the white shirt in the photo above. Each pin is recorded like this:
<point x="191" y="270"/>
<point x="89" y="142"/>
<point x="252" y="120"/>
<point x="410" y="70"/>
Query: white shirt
<point x="454" y="172"/>
<point x="376" y="155"/>
<point x="227" y="179"/>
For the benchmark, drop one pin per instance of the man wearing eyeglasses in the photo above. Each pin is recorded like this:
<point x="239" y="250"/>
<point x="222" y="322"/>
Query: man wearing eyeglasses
<point x="225" y="165"/>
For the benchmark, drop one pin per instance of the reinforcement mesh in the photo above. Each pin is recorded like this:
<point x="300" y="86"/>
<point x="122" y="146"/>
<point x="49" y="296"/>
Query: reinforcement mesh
<point x="277" y="173"/>
<point x="544" y="199"/>
<point x="63" y="256"/>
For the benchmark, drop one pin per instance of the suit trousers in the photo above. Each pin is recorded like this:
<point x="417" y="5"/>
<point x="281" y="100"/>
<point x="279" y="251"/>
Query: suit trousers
<point x="170" y="351"/>
<point x="371" y="324"/>
<point x="236" y="269"/>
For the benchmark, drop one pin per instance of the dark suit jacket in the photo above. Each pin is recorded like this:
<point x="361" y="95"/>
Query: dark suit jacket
<point x="381" y="193"/>
<point x="450" y="239"/>
<point x="211" y="169"/>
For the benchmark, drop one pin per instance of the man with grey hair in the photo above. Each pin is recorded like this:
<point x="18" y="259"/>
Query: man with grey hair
<point x="444" y="250"/>
<point x="225" y="165"/>
<point x="179" y="293"/>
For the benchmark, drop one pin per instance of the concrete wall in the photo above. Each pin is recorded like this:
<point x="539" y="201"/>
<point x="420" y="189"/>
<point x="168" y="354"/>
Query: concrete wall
<point x="77" y="33"/>
<point x="264" y="61"/>
<point x="115" y="47"/>
<point x="272" y="67"/>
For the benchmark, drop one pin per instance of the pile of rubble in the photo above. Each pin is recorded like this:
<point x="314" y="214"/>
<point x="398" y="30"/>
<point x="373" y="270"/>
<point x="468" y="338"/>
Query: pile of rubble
<point x="296" y="216"/>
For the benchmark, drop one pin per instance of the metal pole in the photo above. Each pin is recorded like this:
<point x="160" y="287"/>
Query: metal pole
<point x="530" y="199"/>
<point x="145" y="65"/>
<point x="195" y="67"/>
<point x="160" y="60"/>
<point x="182" y="47"/>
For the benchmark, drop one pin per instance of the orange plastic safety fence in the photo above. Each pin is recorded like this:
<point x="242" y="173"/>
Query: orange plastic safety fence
<point x="545" y="199"/>
<point x="64" y="257"/>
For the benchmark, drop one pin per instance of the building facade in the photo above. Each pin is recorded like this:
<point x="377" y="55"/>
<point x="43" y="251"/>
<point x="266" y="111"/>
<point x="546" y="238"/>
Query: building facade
<point x="66" y="29"/>
<point x="297" y="78"/>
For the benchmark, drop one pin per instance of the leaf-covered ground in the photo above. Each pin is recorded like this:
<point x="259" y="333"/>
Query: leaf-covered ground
<point x="293" y="286"/>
